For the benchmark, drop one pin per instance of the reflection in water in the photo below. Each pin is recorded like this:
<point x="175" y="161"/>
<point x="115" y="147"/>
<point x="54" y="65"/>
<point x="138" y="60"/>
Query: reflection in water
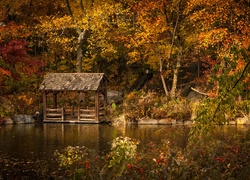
<point x="28" y="141"/>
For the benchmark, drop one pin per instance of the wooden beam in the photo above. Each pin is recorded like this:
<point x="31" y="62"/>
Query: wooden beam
<point x="54" y="110"/>
<point x="79" y="113"/>
<point x="44" y="104"/>
<point x="88" y="119"/>
<point x="55" y="100"/>
<point x="105" y="98"/>
<point x="97" y="105"/>
<point x="62" y="114"/>
<point x="87" y="111"/>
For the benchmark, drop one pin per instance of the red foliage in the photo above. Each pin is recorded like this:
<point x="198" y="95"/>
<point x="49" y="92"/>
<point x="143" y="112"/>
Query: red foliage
<point x="17" y="60"/>
<point x="14" y="51"/>
<point x="87" y="165"/>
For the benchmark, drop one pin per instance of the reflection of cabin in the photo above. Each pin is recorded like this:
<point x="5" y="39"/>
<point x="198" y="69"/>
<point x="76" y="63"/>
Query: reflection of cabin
<point x="74" y="97"/>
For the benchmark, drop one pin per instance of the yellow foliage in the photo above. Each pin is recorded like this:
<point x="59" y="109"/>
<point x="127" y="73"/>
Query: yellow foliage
<point x="213" y="37"/>
<point x="134" y="55"/>
<point x="87" y="64"/>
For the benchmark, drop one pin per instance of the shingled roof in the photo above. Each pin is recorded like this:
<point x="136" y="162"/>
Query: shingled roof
<point x="72" y="81"/>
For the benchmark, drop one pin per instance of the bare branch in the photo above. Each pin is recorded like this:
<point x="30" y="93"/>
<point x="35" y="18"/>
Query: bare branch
<point x="82" y="8"/>
<point x="69" y="8"/>
<point x="205" y="94"/>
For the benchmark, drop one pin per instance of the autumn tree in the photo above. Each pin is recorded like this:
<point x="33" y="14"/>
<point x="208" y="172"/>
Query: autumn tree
<point x="71" y="30"/>
<point x="93" y="32"/>
<point x="222" y="43"/>
<point x="159" y="39"/>
<point x="15" y="57"/>
<point x="220" y="26"/>
<point x="21" y="67"/>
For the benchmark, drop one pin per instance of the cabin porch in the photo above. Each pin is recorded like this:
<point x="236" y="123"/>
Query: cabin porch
<point x="74" y="97"/>
<point x="74" y="115"/>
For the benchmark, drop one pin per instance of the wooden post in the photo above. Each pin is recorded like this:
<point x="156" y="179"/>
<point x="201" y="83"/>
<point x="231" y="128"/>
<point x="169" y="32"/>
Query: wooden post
<point x="105" y="93"/>
<point x="62" y="114"/>
<point x="54" y="100"/>
<point x="79" y="115"/>
<point x="72" y="110"/>
<point x="97" y="105"/>
<point x="44" y="104"/>
<point x="78" y="102"/>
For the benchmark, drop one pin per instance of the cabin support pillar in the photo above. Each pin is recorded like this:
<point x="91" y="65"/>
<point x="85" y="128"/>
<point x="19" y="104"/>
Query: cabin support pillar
<point x="44" y="104"/>
<point x="79" y="113"/>
<point x="105" y="94"/>
<point x="97" y="105"/>
<point x="62" y="114"/>
<point x="55" y="100"/>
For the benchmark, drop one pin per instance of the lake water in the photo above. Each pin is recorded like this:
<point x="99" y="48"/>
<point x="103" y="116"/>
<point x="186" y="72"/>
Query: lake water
<point x="39" y="141"/>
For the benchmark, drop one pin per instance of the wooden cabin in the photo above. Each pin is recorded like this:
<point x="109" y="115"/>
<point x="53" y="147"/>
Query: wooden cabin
<point x="74" y="97"/>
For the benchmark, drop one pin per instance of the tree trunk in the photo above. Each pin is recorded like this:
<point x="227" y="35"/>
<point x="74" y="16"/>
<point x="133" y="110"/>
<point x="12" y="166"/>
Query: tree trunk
<point x="79" y="60"/>
<point x="176" y="70"/>
<point x="163" y="80"/>
<point x="81" y="37"/>
<point x="175" y="74"/>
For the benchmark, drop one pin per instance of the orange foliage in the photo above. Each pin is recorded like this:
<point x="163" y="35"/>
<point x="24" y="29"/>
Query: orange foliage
<point x="3" y="73"/>
<point x="12" y="31"/>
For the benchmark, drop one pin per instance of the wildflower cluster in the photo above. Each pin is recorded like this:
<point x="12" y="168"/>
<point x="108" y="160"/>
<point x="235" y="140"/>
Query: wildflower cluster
<point x="208" y="161"/>
<point x="77" y="162"/>
<point x="123" y="153"/>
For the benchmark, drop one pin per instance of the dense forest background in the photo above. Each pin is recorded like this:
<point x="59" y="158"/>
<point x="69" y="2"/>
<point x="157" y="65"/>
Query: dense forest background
<point x="171" y="45"/>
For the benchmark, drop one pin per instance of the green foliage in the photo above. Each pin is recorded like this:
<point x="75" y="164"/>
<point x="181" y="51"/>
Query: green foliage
<point x="123" y="152"/>
<point x="6" y="108"/>
<point x="71" y="157"/>
<point x="123" y="149"/>
<point x="77" y="163"/>
<point x="226" y="106"/>
<point x="243" y="108"/>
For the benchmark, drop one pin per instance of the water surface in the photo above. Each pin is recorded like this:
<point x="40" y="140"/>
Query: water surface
<point x="32" y="141"/>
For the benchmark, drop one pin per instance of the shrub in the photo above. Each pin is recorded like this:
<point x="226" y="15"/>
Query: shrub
<point x="77" y="163"/>
<point x="202" y="159"/>
<point x="6" y="108"/>
<point x="139" y="105"/>
<point x="23" y="169"/>
<point x="123" y="152"/>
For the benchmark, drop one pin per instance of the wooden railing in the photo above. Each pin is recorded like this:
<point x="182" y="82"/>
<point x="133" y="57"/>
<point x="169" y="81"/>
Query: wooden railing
<point x="55" y="114"/>
<point x="79" y="114"/>
<point x="101" y="111"/>
<point x="70" y="111"/>
<point x="86" y="114"/>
